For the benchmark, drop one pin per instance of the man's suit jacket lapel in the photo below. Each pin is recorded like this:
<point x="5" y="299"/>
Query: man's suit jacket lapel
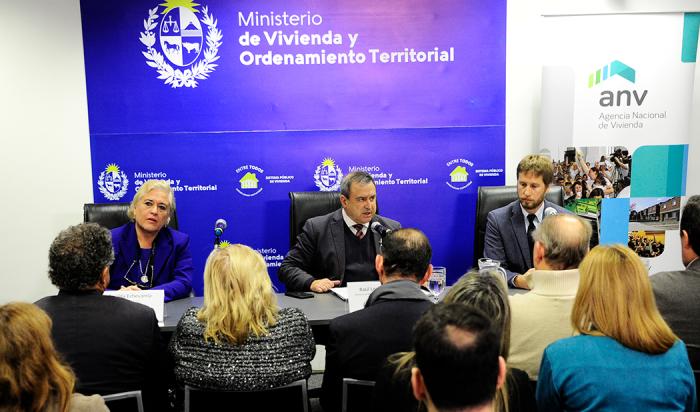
<point x="338" y="236"/>
<point x="518" y="224"/>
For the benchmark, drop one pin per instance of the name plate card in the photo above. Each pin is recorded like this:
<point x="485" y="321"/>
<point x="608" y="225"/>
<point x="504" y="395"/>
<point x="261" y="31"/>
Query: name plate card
<point x="154" y="299"/>
<point x="358" y="292"/>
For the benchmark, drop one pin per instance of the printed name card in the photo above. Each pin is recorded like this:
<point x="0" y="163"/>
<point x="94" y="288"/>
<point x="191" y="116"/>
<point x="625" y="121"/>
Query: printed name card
<point x="358" y="292"/>
<point x="154" y="299"/>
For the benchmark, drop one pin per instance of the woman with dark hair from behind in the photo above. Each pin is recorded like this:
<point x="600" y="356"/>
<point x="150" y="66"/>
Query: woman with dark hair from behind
<point x="487" y="291"/>
<point x="33" y="378"/>
<point x="625" y="358"/>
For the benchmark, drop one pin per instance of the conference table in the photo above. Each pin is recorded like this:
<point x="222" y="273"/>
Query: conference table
<point x="319" y="310"/>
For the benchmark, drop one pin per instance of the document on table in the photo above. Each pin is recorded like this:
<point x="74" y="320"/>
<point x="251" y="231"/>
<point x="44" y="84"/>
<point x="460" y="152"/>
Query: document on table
<point x="154" y="299"/>
<point x="356" y="293"/>
<point x="342" y="293"/>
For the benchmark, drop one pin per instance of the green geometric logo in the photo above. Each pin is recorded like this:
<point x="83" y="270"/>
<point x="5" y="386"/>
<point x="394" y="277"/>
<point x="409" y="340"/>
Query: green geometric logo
<point x="616" y="68"/>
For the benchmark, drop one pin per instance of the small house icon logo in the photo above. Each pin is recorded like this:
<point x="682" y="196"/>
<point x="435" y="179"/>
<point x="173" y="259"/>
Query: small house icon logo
<point x="459" y="175"/>
<point x="249" y="181"/>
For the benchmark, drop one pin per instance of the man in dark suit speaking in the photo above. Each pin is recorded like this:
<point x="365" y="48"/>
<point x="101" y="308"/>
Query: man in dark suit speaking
<point x="339" y="247"/>
<point x="509" y="229"/>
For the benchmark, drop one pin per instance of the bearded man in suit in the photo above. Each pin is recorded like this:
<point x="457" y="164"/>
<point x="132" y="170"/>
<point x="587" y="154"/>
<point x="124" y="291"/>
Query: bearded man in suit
<point x="509" y="229"/>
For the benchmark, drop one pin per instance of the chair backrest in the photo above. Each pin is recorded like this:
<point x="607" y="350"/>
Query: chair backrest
<point x="111" y="215"/>
<point x="292" y="397"/>
<point x="357" y="395"/>
<point x="124" y="401"/>
<point x="305" y="205"/>
<point x="493" y="197"/>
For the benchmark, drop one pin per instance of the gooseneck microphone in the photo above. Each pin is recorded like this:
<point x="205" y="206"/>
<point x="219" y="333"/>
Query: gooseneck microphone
<point x="381" y="229"/>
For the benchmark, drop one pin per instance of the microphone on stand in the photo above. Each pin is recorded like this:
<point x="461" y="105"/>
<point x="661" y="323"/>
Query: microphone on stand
<point x="550" y="211"/>
<point x="219" y="228"/>
<point x="381" y="229"/>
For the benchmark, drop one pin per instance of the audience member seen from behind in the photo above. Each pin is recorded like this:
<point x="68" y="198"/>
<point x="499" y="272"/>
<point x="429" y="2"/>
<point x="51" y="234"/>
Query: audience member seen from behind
<point x="457" y="361"/>
<point x="626" y="358"/>
<point x="240" y="340"/>
<point x="148" y="254"/>
<point x="33" y="378"/>
<point x="677" y="292"/>
<point x="542" y="315"/>
<point x="113" y="345"/>
<point x="486" y="291"/>
<point x="360" y="341"/>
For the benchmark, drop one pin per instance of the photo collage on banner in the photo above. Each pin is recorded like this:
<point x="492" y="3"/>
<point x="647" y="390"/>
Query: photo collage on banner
<point x="238" y="104"/>
<point x="616" y="104"/>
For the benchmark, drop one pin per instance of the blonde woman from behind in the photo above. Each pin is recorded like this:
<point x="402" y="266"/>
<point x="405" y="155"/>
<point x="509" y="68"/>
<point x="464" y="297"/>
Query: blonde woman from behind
<point x="240" y="340"/>
<point x="625" y="357"/>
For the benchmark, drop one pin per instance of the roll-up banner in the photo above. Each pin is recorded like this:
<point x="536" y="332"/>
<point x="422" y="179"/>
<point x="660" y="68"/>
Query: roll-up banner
<point x="616" y="105"/>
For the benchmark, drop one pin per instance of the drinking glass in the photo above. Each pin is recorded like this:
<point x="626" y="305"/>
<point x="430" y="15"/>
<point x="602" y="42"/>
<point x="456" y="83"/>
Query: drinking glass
<point x="488" y="263"/>
<point x="491" y="264"/>
<point x="437" y="281"/>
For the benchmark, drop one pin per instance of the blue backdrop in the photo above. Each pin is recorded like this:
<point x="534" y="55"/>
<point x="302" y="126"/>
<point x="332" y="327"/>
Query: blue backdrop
<point x="181" y="92"/>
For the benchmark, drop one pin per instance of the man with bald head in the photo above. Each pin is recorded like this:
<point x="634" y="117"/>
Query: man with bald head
<point x="542" y="315"/>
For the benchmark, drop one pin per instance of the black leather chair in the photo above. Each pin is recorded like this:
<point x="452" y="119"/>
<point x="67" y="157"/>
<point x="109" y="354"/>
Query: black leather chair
<point x="305" y="205"/>
<point x="111" y="215"/>
<point x="493" y="197"/>
<point x="292" y="397"/>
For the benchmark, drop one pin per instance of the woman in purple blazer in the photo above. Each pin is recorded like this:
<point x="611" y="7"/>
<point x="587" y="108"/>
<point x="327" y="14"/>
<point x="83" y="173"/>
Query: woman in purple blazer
<point x="147" y="253"/>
